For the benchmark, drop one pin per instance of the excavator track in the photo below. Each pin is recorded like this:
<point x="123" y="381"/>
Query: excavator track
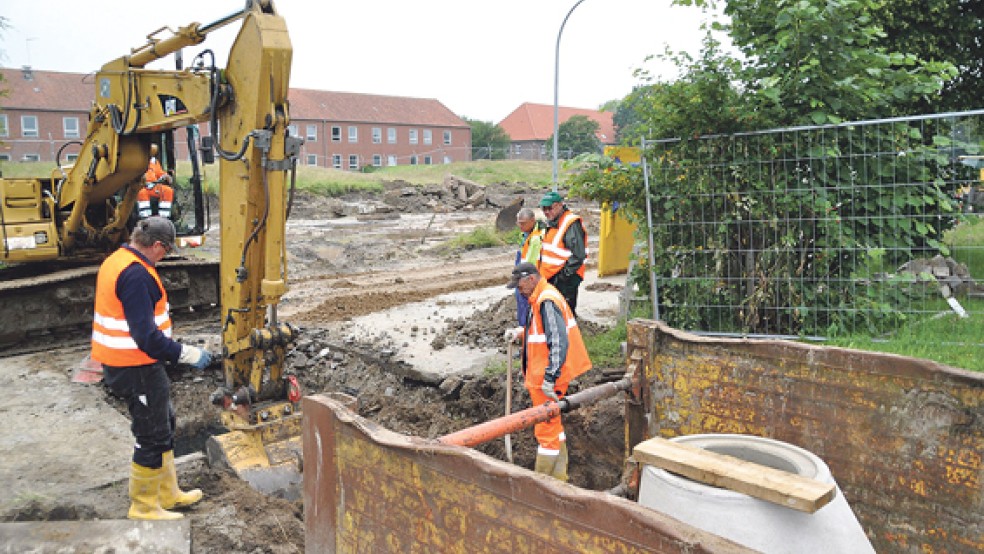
<point x="49" y="308"/>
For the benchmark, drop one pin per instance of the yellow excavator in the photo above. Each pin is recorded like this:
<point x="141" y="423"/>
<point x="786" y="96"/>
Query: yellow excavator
<point x="67" y="222"/>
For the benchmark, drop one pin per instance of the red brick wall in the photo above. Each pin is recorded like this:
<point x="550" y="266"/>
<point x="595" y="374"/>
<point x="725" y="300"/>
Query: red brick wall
<point x="903" y="437"/>
<point x="324" y="148"/>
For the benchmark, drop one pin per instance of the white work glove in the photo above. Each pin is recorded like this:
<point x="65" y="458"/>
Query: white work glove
<point x="513" y="335"/>
<point x="548" y="389"/>
<point x="195" y="357"/>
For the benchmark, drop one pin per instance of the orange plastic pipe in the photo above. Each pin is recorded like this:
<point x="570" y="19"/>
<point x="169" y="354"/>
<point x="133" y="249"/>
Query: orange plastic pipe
<point x="491" y="430"/>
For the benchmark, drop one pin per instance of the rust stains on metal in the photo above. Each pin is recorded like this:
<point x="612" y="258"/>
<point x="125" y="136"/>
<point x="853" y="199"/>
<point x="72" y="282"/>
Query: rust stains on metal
<point x="903" y="437"/>
<point x="368" y="489"/>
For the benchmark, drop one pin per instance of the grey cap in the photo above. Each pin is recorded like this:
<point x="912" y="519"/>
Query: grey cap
<point x="156" y="228"/>
<point x="521" y="270"/>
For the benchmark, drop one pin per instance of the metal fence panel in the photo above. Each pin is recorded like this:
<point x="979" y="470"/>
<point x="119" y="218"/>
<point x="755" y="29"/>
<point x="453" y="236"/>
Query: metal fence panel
<point x="856" y="228"/>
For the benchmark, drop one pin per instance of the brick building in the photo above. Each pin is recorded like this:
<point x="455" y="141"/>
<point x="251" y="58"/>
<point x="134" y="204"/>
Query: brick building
<point x="347" y="130"/>
<point x="530" y="126"/>
<point x="42" y="111"/>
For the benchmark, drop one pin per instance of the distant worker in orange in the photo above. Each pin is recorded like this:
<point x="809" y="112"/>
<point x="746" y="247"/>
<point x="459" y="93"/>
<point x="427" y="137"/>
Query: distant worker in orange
<point x="553" y="355"/>
<point x="157" y="186"/>
<point x="564" y="248"/>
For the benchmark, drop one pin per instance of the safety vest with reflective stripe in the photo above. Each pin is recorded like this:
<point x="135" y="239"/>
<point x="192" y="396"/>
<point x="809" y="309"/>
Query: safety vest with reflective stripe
<point x="111" y="340"/>
<point x="537" y="352"/>
<point x="555" y="253"/>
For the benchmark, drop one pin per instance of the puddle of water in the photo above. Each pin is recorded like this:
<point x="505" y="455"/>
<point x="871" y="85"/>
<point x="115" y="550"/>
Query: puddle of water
<point x="429" y="318"/>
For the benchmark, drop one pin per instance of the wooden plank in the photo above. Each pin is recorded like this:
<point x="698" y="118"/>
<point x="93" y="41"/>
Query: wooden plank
<point x="762" y="482"/>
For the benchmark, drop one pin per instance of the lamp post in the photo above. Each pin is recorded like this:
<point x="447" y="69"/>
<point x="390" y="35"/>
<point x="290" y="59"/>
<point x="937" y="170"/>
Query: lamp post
<point x="556" y="88"/>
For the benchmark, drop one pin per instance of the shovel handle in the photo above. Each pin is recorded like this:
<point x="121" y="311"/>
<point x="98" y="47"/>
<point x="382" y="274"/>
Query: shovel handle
<point x="509" y="373"/>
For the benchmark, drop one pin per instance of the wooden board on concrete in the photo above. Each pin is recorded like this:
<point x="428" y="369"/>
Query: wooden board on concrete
<point x="119" y="536"/>
<point x="755" y="480"/>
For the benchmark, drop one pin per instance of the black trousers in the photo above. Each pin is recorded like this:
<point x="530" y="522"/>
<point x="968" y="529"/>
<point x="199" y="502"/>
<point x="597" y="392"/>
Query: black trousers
<point x="147" y="392"/>
<point x="567" y="287"/>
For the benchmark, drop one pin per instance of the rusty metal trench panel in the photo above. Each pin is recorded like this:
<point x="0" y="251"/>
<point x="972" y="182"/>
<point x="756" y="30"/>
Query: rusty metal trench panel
<point x="903" y="437"/>
<point x="368" y="489"/>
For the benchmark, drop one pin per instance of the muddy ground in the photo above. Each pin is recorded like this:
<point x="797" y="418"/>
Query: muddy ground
<point x="350" y="257"/>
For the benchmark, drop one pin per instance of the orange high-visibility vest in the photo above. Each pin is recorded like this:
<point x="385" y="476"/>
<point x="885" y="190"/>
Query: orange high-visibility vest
<point x="555" y="254"/>
<point x="537" y="353"/>
<point x="111" y="340"/>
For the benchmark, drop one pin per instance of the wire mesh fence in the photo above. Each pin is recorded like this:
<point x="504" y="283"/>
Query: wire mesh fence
<point x="861" y="228"/>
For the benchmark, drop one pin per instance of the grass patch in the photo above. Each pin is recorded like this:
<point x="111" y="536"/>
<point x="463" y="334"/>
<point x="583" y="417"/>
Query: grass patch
<point x="335" y="182"/>
<point x="605" y="349"/>
<point x="966" y="242"/>
<point x="480" y="237"/>
<point x="944" y="338"/>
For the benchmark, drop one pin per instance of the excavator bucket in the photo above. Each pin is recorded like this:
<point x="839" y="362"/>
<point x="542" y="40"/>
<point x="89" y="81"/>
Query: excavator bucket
<point x="506" y="219"/>
<point x="267" y="455"/>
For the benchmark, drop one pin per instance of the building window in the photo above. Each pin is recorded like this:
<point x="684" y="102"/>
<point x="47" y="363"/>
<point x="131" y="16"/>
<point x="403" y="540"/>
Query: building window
<point x="292" y="130"/>
<point x="391" y="160"/>
<point x="336" y="133"/>
<point x="71" y="158"/>
<point x="353" y="133"/>
<point x="31" y="158"/>
<point x="312" y="133"/>
<point x="447" y="138"/>
<point x="312" y="159"/>
<point x="391" y="135"/>
<point x="29" y="125"/>
<point x="428" y="138"/>
<point x="70" y="125"/>
<point x="427" y="160"/>
<point x="336" y="161"/>
<point x="3" y="126"/>
<point x="377" y="160"/>
<point x="413" y="160"/>
<point x="353" y="161"/>
<point x="413" y="136"/>
<point x="377" y="135"/>
<point x="4" y="157"/>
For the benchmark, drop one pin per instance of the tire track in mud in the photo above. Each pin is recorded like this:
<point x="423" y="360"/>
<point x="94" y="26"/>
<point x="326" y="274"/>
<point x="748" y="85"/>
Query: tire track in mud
<point x="330" y="299"/>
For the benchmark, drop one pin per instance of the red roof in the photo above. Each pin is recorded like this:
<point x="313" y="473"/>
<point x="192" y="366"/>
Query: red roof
<point x="51" y="90"/>
<point x="370" y="108"/>
<point x="533" y="122"/>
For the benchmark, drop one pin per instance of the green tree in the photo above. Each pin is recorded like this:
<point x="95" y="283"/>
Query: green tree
<point x="809" y="62"/>
<point x="947" y="30"/>
<point x="819" y="61"/>
<point x="489" y="141"/>
<point x="578" y="135"/>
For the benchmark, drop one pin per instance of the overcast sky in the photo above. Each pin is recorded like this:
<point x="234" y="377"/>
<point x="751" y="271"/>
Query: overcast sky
<point x="480" y="59"/>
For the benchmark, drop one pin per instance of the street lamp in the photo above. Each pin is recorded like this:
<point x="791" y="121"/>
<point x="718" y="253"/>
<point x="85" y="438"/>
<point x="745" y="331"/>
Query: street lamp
<point x="556" y="87"/>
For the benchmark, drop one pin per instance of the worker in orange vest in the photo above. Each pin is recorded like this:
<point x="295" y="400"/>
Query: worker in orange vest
<point x="131" y="337"/>
<point x="553" y="355"/>
<point x="565" y="249"/>
<point x="157" y="186"/>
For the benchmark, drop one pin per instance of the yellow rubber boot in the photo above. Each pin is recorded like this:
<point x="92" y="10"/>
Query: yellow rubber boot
<point x="545" y="464"/>
<point x="171" y="496"/>
<point x="145" y="482"/>
<point x="560" y="468"/>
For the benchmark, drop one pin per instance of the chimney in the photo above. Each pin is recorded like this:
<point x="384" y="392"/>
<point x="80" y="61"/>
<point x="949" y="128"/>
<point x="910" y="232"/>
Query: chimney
<point x="28" y="73"/>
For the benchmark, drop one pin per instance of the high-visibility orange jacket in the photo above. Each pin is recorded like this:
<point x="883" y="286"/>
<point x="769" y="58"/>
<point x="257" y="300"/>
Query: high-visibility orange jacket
<point x="555" y="253"/>
<point x="154" y="171"/>
<point x="111" y="341"/>
<point x="574" y="362"/>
